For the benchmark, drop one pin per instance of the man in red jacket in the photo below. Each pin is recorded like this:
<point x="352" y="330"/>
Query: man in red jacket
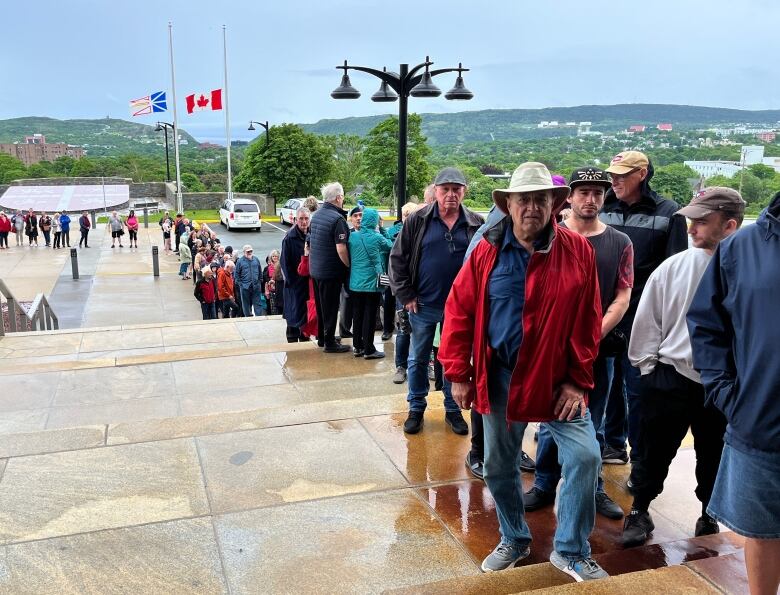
<point x="521" y="333"/>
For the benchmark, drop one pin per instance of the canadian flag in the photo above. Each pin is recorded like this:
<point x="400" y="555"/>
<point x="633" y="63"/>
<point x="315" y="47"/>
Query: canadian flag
<point x="204" y="101"/>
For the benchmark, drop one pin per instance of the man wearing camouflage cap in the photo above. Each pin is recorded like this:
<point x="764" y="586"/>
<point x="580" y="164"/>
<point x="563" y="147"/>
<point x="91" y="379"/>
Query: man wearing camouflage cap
<point x="672" y="394"/>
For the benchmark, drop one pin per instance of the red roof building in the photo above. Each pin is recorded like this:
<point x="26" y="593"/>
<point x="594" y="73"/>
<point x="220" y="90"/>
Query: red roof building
<point x="637" y="128"/>
<point x="664" y="127"/>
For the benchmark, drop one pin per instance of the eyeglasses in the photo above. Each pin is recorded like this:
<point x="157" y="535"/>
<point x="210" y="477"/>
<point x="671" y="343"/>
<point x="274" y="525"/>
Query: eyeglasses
<point x="450" y="242"/>
<point x="625" y="175"/>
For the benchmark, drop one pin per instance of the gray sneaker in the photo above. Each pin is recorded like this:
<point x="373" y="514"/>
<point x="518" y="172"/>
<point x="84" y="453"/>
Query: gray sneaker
<point x="582" y="570"/>
<point x="504" y="556"/>
<point x="400" y="375"/>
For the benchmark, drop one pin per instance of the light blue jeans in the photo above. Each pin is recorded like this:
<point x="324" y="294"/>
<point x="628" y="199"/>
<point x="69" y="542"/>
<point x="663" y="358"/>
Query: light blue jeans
<point x="578" y="453"/>
<point x="423" y="329"/>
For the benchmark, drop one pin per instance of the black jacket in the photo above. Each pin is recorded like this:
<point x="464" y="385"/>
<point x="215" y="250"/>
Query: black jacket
<point x="655" y="231"/>
<point x="405" y="255"/>
<point x="324" y="260"/>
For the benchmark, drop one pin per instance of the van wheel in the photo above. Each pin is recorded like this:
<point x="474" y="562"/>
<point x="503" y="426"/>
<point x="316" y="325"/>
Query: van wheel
<point x="281" y="219"/>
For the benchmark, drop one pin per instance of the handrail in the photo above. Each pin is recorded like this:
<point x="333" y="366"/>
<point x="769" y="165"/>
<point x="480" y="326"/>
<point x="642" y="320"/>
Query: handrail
<point x="40" y="315"/>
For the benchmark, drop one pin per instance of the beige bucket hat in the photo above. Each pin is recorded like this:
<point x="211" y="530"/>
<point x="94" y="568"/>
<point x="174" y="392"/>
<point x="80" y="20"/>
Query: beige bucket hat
<point x="531" y="177"/>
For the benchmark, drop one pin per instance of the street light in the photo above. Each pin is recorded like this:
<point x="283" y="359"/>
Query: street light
<point x="164" y="126"/>
<point x="264" y="125"/>
<point x="403" y="84"/>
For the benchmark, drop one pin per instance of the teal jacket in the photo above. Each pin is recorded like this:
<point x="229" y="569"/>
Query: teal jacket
<point x="368" y="250"/>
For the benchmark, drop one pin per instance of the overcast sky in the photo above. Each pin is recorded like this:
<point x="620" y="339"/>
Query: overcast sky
<point x="87" y="59"/>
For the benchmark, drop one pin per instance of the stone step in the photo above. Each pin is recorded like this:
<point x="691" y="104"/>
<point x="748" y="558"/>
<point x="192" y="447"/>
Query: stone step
<point x="706" y="556"/>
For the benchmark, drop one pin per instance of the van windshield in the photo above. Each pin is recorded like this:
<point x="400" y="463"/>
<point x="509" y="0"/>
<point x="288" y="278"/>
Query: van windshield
<point x="245" y="208"/>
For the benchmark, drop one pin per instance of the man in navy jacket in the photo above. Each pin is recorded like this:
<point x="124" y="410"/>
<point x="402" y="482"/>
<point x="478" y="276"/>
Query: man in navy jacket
<point x="735" y="328"/>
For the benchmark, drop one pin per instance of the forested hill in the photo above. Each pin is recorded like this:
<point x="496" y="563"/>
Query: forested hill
<point x="512" y="124"/>
<point x="107" y="136"/>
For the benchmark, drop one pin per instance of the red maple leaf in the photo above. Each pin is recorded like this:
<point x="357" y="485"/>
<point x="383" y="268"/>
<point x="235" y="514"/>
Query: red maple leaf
<point x="202" y="101"/>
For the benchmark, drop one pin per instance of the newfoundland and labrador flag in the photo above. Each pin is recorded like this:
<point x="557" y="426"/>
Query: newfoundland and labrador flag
<point x="151" y="104"/>
<point x="204" y="101"/>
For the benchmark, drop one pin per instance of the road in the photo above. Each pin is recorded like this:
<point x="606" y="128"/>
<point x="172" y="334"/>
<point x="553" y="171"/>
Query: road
<point x="262" y="241"/>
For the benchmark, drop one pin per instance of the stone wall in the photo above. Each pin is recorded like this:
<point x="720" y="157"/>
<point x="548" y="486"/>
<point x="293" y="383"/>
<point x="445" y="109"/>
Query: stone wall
<point x="212" y="200"/>
<point x="148" y="190"/>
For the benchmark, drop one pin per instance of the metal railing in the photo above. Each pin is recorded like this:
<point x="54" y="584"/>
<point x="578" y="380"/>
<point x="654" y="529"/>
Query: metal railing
<point x="38" y="317"/>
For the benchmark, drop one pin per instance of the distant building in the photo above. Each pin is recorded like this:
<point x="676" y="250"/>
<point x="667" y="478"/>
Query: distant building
<point x="767" y="137"/>
<point x="664" y="127"/>
<point x="35" y="149"/>
<point x="636" y="128"/>
<point x="750" y="155"/>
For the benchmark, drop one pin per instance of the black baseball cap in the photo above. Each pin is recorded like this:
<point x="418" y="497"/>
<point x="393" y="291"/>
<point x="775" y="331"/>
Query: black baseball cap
<point x="589" y="175"/>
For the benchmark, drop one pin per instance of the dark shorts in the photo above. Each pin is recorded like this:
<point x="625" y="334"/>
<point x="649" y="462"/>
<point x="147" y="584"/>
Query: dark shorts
<point x="746" y="497"/>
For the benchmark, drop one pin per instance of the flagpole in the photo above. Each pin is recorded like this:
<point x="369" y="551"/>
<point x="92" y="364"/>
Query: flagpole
<point x="179" y="199"/>
<point x="227" y="115"/>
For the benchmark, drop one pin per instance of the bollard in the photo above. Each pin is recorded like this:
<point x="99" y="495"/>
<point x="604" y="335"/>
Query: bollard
<point x="74" y="263"/>
<point x="156" y="261"/>
<point x="94" y="220"/>
<point x="146" y="217"/>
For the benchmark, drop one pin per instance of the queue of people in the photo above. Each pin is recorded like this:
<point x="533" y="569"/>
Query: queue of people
<point x="55" y="229"/>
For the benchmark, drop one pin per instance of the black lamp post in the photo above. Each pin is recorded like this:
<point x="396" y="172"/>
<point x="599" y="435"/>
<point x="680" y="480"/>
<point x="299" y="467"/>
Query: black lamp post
<point x="407" y="82"/>
<point x="164" y="126"/>
<point x="264" y="125"/>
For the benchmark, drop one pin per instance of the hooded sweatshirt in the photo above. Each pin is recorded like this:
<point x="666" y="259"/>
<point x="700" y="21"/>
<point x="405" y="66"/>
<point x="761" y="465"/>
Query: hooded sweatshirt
<point x="655" y="231"/>
<point x="734" y="328"/>
<point x="368" y="250"/>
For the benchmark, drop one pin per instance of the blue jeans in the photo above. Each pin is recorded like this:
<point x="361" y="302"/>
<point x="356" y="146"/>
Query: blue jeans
<point x="548" y="469"/>
<point x="579" y="453"/>
<point x="183" y="268"/>
<point x="250" y="299"/>
<point x="209" y="310"/>
<point x="423" y="329"/>
<point x="629" y="409"/>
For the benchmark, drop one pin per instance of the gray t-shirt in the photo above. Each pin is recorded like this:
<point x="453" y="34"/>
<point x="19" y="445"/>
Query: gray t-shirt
<point x="116" y="223"/>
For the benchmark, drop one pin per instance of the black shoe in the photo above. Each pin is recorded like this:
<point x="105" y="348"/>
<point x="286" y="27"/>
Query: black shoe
<point x="336" y="348"/>
<point x="387" y="336"/>
<point x="534" y="499"/>
<point x="607" y="507"/>
<point x="475" y="465"/>
<point x="706" y="525"/>
<point x="346" y="335"/>
<point x="375" y="355"/>
<point x="454" y="419"/>
<point x="637" y="528"/>
<point x="527" y="464"/>
<point x="357" y="352"/>
<point x="614" y="456"/>
<point x="414" y="422"/>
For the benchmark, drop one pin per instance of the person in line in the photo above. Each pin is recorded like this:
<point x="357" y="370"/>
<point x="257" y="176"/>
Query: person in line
<point x="226" y="290"/>
<point x="84" y="226"/>
<point x="403" y="333"/>
<point x="346" y="318"/>
<point x="18" y="226"/>
<point x="132" y="228"/>
<point x="296" y="286"/>
<point x="615" y="269"/>
<point x="329" y="263"/>
<point x="249" y="278"/>
<point x="521" y="333"/>
<point x="424" y="261"/>
<point x="734" y="327"/>
<point x="185" y="258"/>
<point x="167" y="227"/>
<point x="44" y="222"/>
<point x="5" y="229"/>
<point x="179" y="229"/>
<point x="649" y="220"/>
<point x="273" y="282"/>
<point x="31" y="228"/>
<point x="309" y="329"/>
<point x="116" y="225"/>
<point x="673" y="399"/>
<point x="206" y="294"/>
<point x="368" y="250"/>
<point x="65" y="226"/>
<point x="56" y="228"/>
<point x="311" y="203"/>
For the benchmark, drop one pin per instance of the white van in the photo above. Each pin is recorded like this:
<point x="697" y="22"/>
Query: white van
<point x="238" y="213"/>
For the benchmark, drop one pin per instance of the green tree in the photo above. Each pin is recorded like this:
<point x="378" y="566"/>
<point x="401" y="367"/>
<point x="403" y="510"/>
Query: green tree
<point x="11" y="168"/>
<point x="347" y="150"/>
<point x="191" y="183"/>
<point x="85" y="167"/>
<point x="380" y="158"/>
<point x="295" y="163"/>
<point x="762" y="172"/>
<point x="672" y="181"/>
<point x="10" y="175"/>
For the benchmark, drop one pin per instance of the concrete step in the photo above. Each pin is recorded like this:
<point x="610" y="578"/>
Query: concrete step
<point x="715" y="558"/>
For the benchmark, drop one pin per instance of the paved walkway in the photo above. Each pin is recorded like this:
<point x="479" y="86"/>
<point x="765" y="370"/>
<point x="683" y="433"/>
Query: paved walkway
<point x="115" y="286"/>
<point x="210" y="457"/>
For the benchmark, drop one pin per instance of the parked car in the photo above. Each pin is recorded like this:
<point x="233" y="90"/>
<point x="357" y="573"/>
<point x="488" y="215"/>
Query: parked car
<point x="240" y="213"/>
<point x="288" y="210"/>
